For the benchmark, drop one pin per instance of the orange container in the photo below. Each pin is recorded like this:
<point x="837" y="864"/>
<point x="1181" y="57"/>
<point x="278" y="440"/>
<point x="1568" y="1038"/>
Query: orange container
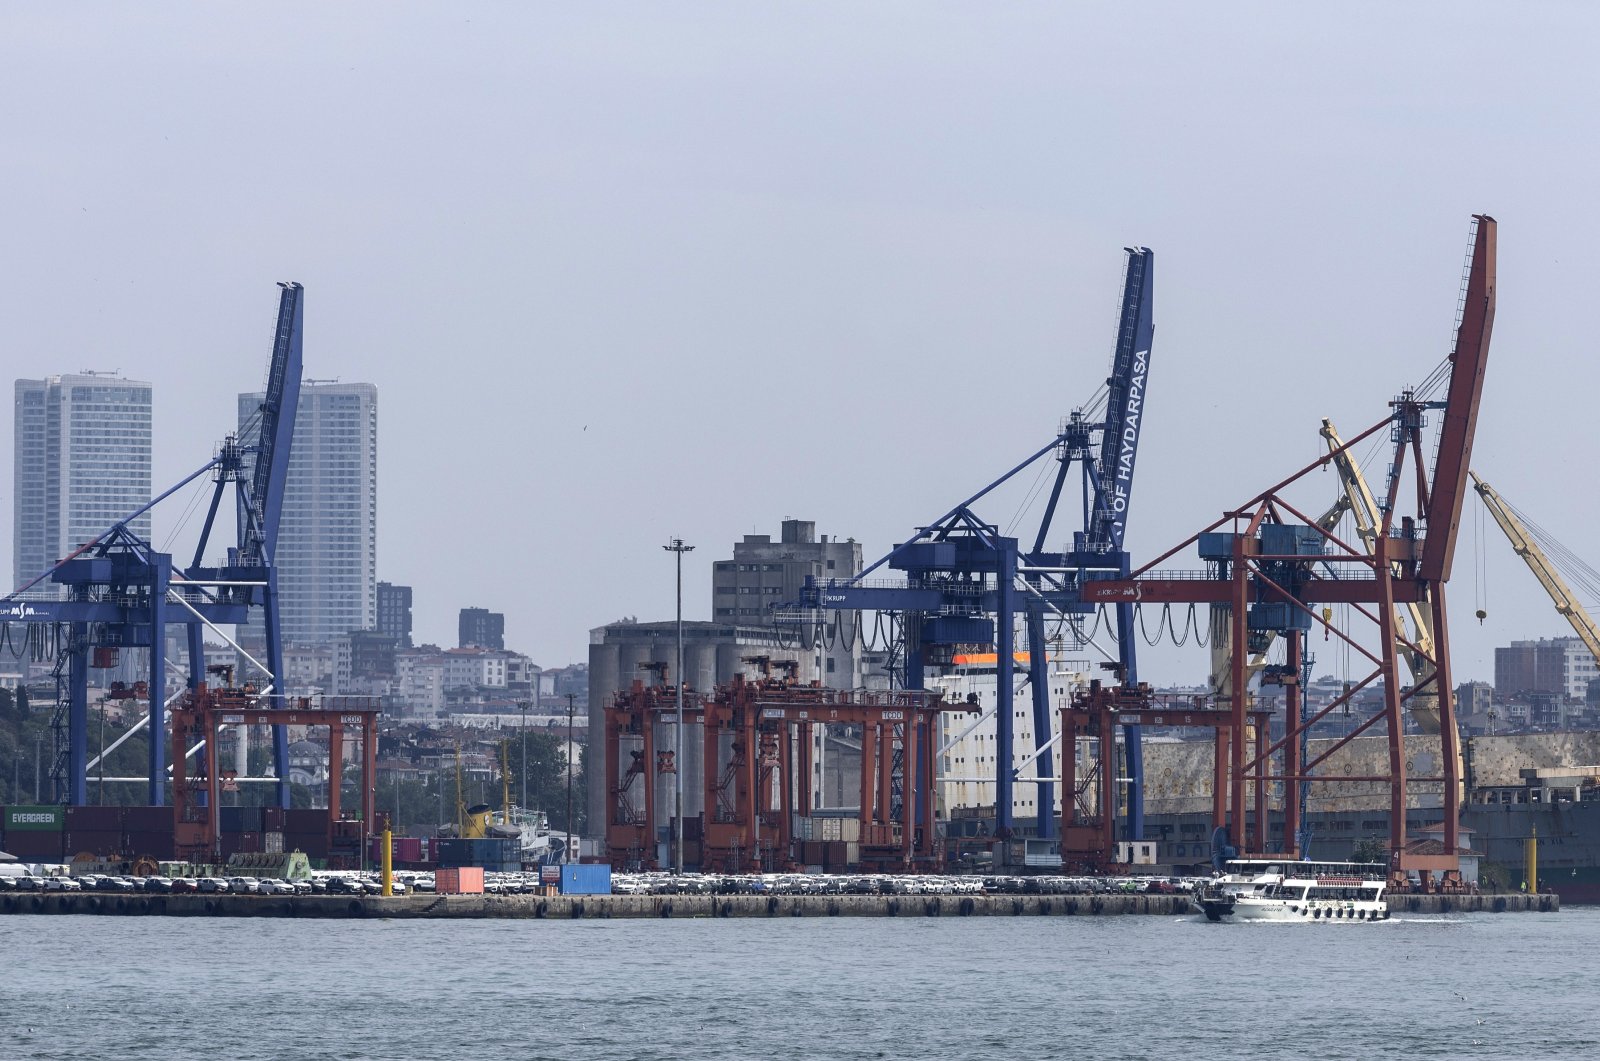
<point x="458" y="880"/>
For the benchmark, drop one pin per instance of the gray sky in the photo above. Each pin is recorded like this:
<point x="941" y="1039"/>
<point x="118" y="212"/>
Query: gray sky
<point x="628" y="271"/>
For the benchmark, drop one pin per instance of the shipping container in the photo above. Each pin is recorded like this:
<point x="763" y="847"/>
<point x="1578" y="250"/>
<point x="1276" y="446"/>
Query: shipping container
<point x="33" y="818"/>
<point x="402" y="849"/>
<point x="240" y="819"/>
<point x="313" y="844"/>
<point x="94" y="841"/>
<point x="240" y="843"/>
<point x="585" y="880"/>
<point x="305" y="820"/>
<point x="147" y="819"/>
<point x="157" y="845"/>
<point x="272" y="819"/>
<point x="458" y="880"/>
<point x="35" y="845"/>
<point x="488" y="851"/>
<point x="349" y="828"/>
<point x="272" y="842"/>
<point x="94" y="819"/>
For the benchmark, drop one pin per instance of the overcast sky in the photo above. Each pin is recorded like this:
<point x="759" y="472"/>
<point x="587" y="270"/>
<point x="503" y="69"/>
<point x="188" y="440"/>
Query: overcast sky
<point x="624" y="272"/>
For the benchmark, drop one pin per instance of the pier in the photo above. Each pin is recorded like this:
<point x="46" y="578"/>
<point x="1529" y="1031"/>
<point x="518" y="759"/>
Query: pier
<point x="575" y="907"/>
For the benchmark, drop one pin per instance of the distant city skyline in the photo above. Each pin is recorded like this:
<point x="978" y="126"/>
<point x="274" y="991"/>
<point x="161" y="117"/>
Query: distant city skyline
<point x="626" y="274"/>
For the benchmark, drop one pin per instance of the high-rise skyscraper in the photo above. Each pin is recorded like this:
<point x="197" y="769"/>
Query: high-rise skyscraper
<point x="328" y="534"/>
<point x="82" y="463"/>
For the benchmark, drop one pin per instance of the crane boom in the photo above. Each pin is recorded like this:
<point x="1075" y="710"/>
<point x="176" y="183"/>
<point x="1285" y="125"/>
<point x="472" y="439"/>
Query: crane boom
<point x="1467" y="362"/>
<point x="1363" y="507"/>
<point x="1523" y="545"/>
<point x="278" y="409"/>
<point x="1130" y="366"/>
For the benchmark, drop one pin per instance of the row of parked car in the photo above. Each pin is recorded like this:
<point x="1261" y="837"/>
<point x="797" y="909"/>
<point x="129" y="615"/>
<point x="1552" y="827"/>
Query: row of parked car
<point x="320" y="884"/>
<point x="887" y="884"/>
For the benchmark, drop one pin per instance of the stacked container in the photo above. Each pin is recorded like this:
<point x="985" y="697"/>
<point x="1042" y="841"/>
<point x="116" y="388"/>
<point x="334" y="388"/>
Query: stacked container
<point x="96" y="830"/>
<point x="33" y="833"/>
<point x="147" y="831"/>
<point x="306" y="830"/>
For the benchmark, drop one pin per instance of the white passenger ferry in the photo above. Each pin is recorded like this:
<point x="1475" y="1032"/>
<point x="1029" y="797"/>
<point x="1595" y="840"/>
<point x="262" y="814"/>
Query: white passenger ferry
<point x="1284" y="890"/>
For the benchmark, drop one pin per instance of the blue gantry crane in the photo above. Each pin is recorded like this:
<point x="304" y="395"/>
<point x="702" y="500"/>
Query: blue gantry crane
<point x="965" y="583"/>
<point x="121" y="592"/>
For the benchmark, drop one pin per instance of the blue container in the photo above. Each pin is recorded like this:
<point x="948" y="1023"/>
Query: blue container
<point x="585" y="880"/>
<point x="1278" y="616"/>
<point x="1216" y="545"/>
<point x="1290" y="539"/>
<point x="957" y="630"/>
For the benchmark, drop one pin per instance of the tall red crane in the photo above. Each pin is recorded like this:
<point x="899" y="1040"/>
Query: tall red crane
<point x="1275" y="570"/>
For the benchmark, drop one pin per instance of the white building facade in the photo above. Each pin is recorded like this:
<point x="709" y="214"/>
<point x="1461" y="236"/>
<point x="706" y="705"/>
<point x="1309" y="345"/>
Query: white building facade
<point x="82" y="463"/>
<point x="971" y="741"/>
<point x="328" y="537"/>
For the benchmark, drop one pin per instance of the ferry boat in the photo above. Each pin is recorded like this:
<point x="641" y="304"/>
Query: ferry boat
<point x="1283" y="890"/>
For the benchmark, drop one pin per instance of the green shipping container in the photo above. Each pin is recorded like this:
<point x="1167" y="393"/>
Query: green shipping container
<point x="24" y="819"/>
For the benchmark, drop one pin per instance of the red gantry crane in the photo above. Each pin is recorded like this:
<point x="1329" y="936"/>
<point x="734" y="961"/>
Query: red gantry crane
<point x="1274" y="569"/>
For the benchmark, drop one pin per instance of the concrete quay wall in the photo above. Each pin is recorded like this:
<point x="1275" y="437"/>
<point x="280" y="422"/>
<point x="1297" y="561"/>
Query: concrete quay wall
<point x="568" y="907"/>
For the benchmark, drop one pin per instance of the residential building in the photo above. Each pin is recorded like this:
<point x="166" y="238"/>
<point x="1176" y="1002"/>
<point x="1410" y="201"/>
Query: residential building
<point x="394" y="613"/>
<point x="363" y="662"/>
<point x="1558" y="665"/>
<point x="82" y="463"/>
<point x="307" y="669"/>
<point x="328" y="533"/>
<point x="481" y="628"/>
<point x="420" y="682"/>
<point x="476" y="668"/>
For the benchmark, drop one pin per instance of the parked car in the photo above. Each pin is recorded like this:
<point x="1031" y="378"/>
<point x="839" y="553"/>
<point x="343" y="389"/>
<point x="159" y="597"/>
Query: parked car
<point x="185" y="884"/>
<point x="212" y="885"/>
<point x="158" y="884"/>
<point x="61" y="884"/>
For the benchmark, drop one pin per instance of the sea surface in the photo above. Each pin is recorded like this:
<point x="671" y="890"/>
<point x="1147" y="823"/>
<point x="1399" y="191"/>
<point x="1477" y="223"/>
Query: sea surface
<point x="1492" y="986"/>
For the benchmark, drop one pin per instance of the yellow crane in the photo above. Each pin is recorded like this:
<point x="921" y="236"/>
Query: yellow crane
<point x="1523" y="544"/>
<point x="1414" y="628"/>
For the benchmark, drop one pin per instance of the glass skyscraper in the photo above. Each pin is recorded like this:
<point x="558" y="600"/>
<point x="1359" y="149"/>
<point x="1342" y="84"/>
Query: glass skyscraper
<point x="82" y="462"/>
<point x="328" y="535"/>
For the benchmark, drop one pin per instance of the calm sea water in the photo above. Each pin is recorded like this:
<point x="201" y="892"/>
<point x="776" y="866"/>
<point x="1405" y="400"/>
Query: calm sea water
<point x="1508" y="986"/>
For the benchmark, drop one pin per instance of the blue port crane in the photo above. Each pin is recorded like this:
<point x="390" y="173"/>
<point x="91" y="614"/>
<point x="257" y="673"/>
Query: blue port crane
<point x="121" y="592"/>
<point x="965" y="583"/>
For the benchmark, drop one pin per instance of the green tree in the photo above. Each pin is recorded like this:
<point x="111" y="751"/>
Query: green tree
<point x="1370" y="849"/>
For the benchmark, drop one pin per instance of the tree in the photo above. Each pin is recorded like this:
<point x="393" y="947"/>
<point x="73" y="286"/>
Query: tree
<point x="1370" y="849"/>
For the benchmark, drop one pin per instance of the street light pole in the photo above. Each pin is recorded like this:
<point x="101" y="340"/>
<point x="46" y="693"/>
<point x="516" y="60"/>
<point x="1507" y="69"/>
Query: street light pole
<point x="525" y="742"/>
<point x="566" y="854"/>
<point x="678" y="547"/>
